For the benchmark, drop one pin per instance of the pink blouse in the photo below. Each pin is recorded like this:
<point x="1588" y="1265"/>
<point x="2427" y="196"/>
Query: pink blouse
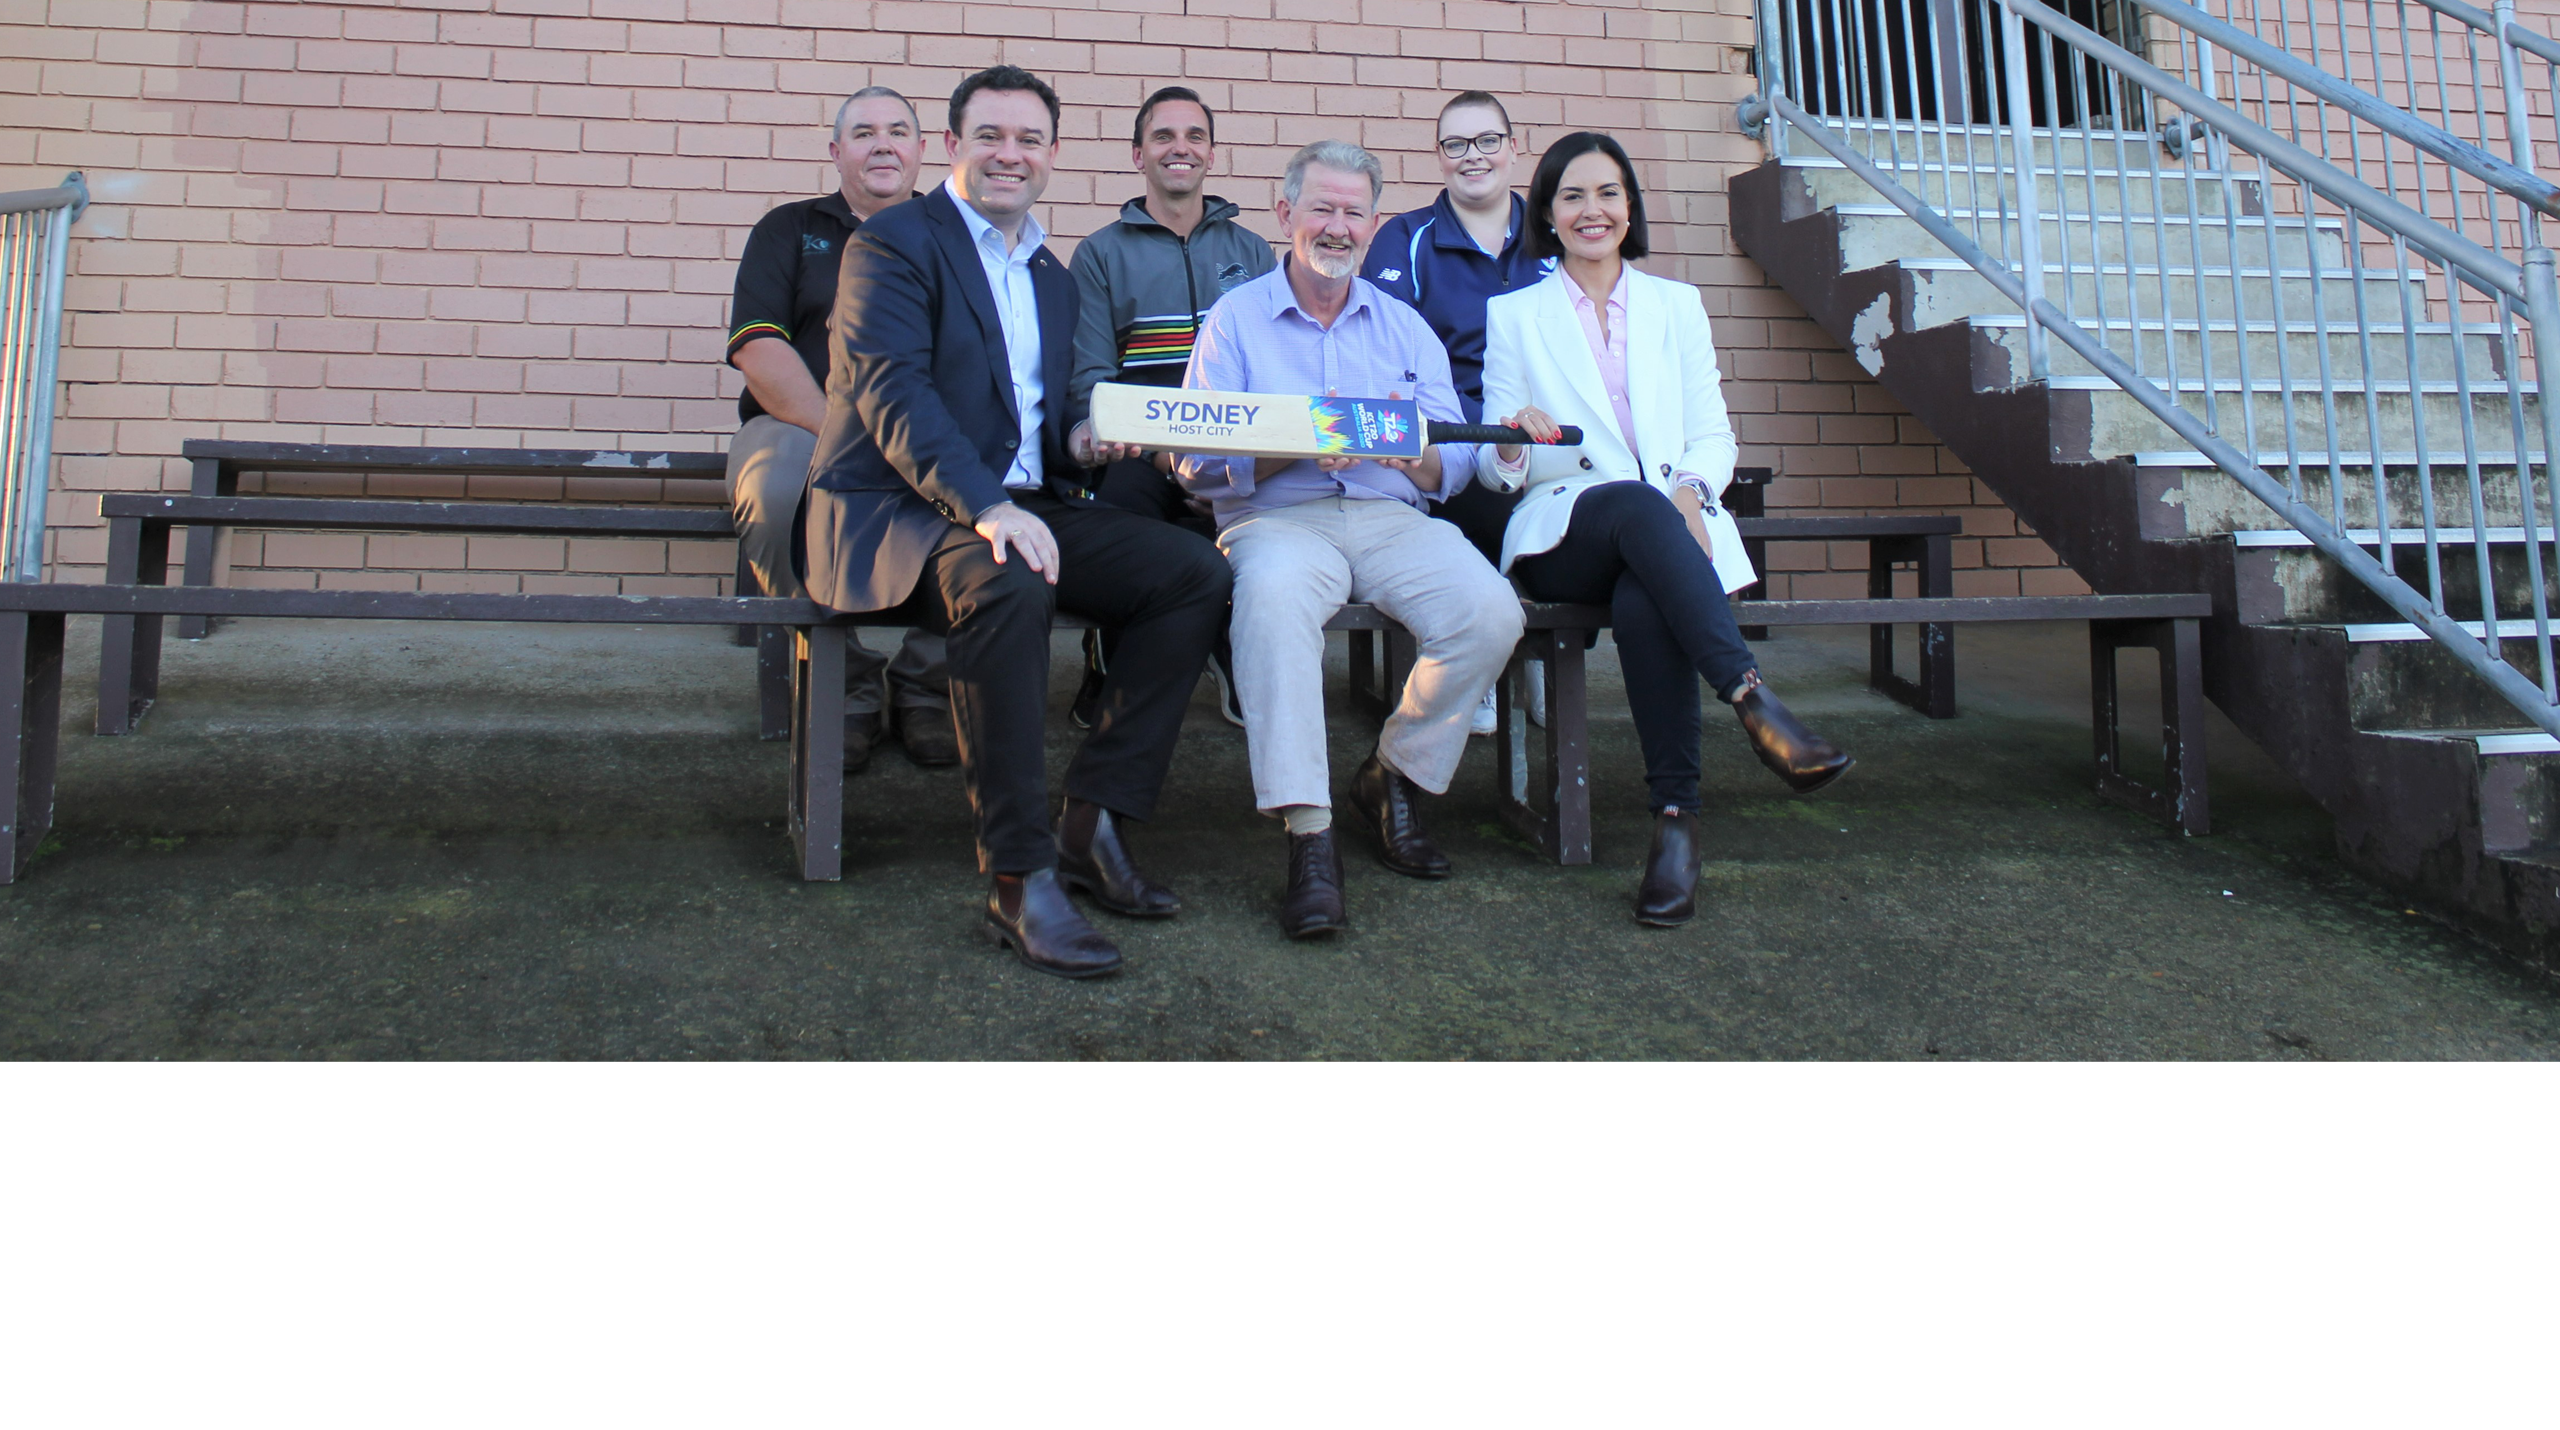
<point x="1610" y="352"/>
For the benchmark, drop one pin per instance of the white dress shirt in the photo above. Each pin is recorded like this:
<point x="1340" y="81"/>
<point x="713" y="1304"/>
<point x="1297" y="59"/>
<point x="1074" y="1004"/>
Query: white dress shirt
<point x="1018" y="313"/>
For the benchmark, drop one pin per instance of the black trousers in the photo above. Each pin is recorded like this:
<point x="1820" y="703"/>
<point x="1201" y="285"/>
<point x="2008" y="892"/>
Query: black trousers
<point x="1135" y="485"/>
<point x="1629" y="549"/>
<point x="1482" y="513"/>
<point x="1165" y="588"/>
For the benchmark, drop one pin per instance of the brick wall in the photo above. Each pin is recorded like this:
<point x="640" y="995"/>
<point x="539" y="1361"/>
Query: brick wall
<point x="515" y="222"/>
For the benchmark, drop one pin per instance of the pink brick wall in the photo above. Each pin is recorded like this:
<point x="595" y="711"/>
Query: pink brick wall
<point x="515" y="222"/>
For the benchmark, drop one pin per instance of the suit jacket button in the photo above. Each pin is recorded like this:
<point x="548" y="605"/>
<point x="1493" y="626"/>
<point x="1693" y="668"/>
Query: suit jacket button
<point x="1666" y="469"/>
<point x="1586" y="464"/>
<point x="1011" y="442"/>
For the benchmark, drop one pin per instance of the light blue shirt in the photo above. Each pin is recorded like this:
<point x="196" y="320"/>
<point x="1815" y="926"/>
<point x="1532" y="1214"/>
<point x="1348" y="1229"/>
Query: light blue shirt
<point x="1257" y="339"/>
<point x="1018" y="313"/>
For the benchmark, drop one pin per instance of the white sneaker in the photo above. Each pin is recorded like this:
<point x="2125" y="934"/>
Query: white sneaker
<point x="1483" y="723"/>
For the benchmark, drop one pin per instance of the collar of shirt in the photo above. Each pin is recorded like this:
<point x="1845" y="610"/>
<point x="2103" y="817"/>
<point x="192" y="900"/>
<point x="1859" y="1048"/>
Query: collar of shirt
<point x="1617" y="295"/>
<point x="1033" y="235"/>
<point x="1451" y="231"/>
<point x="1284" y="298"/>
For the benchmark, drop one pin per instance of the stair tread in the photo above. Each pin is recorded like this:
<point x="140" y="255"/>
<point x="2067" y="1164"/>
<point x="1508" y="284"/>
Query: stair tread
<point x="2400" y="536"/>
<point x="2373" y="632"/>
<point x="2515" y="740"/>
<point x="2191" y="461"/>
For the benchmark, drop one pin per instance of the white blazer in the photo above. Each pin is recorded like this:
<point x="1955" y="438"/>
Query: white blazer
<point x="1535" y="355"/>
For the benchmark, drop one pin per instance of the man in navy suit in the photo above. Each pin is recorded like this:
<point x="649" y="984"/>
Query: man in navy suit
<point x="949" y="489"/>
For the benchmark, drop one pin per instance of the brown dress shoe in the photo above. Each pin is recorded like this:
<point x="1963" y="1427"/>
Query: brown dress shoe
<point x="1668" y="897"/>
<point x="1805" y="760"/>
<point x="1313" y="906"/>
<point x="927" y="732"/>
<point x="1093" y="860"/>
<point x="861" y="732"/>
<point x="1032" y="915"/>
<point x="1386" y="800"/>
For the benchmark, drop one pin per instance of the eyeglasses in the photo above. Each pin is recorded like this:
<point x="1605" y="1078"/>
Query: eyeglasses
<point x="1456" y="145"/>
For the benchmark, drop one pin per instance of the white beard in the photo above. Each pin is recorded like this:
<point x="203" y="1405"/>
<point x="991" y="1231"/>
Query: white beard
<point x="1324" y="261"/>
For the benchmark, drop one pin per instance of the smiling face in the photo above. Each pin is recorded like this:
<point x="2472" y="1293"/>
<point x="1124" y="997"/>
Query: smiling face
<point x="1330" y="225"/>
<point x="1590" y="208"/>
<point x="877" y="154"/>
<point x="1001" y="157"/>
<point x="1476" y="178"/>
<point x="1175" y="153"/>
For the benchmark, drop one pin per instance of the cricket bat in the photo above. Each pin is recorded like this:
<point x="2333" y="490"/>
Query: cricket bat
<point x="1257" y="424"/>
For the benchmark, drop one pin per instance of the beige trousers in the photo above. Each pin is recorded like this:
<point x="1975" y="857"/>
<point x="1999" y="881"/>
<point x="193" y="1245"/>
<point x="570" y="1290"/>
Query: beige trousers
<point x="1294" y="567"/>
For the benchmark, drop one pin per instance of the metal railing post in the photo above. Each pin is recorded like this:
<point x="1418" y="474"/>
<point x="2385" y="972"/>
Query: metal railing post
<point x="35" y="258"/>
<point x="2013" y="50"/>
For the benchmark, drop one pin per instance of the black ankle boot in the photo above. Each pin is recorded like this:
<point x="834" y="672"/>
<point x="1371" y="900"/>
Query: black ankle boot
<point x="1805" y="760"/>
<point x="1668" y="897"/>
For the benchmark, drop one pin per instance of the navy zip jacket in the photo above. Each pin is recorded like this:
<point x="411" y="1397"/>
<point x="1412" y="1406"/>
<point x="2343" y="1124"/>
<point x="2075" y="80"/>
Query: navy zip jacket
<point x="1426" y="258"/>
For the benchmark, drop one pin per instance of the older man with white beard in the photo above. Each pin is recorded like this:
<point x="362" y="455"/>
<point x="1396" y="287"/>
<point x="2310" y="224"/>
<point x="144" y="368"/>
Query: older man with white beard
<point x="1304" y="536"/>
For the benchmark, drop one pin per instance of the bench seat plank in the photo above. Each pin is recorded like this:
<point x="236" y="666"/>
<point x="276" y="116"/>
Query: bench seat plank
<point x="478" y="461"/>
<point x="340" y="514"/>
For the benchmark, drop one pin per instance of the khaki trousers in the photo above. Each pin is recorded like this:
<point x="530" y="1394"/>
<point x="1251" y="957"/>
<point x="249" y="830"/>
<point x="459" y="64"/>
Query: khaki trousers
<point x="1294" y="567"/>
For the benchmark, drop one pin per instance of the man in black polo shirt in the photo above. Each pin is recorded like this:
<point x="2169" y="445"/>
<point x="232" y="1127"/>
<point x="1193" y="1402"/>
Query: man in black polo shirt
<point x="778" y="338"/>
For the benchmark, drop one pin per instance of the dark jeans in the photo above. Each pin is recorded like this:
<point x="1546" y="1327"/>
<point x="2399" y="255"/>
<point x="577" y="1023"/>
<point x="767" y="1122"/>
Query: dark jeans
<point x="1166" y="588"/>
<point x="1629" y="550"/>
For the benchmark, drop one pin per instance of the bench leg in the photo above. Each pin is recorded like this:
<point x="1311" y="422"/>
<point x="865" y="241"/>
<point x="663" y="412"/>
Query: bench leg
<point x="746" y="585"/>
<point x="213" y="478"/>
<point x="2182" y="804"/>
<point x="817" y="751"/>
<point x="1756" y="550"/>
<point x="1934" y="693"/>
<point x="1552" y="812"/>
<point x="774" y="664"/>
<point x="129" y="646"/>
<point x="30" y="731"/>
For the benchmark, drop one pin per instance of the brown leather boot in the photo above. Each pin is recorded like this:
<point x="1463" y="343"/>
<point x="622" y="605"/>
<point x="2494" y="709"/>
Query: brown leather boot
<point x="1805" y="760"/>
<point x="1389" y="803"/>
<point x="1668" y="897"/>
<point x="1313" y="907"/>
<point x="1093" y="860"/>
<point x="1032" y="915"/>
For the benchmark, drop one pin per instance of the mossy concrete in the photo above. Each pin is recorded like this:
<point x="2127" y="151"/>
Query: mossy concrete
<point x="348" y="840"/>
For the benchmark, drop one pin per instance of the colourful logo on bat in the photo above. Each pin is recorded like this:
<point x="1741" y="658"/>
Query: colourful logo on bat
<point x="1366" y="427"/>
<point x="1333" y="423"/>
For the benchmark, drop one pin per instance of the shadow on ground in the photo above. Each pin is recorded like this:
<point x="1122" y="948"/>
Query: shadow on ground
<point x="350" y="840"/>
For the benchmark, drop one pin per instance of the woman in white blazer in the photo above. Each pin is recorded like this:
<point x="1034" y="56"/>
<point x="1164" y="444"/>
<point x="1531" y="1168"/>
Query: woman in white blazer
<point x="1632" y="519"/>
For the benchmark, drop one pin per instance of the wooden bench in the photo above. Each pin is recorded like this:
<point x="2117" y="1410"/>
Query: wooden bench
<point x="31" y="638"/>
<point x="138" y="539"/>
<point x="218" y="466"/>
<point x="1925" y="542"/>
<point x="1550" y="805"/>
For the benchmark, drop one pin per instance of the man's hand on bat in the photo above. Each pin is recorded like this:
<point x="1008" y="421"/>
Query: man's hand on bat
<point x="1089" y="453"/>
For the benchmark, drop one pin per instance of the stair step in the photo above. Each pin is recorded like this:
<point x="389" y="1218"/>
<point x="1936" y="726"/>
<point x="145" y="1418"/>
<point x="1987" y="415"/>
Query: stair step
<point x="2400" y="536"/>
<point x="2174" y="457"/>
<point x="2520" y="742"/>
<point x="2378" y="632"/>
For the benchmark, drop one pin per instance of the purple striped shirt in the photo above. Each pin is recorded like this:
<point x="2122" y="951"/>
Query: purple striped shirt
<point x="1257" y="340"/>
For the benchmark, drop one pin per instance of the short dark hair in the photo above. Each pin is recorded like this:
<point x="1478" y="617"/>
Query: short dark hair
<point x="1475" y="99"/>
<point x="1541" y="237"/>
<point x="1138" y="131"/>
<point x="1007" y="79"/>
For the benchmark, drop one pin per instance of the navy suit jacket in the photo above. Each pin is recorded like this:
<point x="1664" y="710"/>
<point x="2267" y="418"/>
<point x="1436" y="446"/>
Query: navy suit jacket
<point x="920" y="426"/>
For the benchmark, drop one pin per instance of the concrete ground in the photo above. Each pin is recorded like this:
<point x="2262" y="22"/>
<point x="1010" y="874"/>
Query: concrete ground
<point x="350" y="840"/>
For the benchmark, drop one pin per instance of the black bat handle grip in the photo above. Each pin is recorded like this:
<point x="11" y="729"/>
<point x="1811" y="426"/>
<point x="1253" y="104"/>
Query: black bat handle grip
<point x="1501" y="436"/>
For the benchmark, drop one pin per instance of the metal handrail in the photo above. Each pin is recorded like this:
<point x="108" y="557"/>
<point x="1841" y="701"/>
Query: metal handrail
<point x="1987" y="102"/>
<point x="2233" y="462"/>
<point x="35" y="236"/>
<point x="2390" y="118"/>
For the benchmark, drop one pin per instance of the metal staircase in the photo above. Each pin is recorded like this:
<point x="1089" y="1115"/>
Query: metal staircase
<point x="2244" y="301"/>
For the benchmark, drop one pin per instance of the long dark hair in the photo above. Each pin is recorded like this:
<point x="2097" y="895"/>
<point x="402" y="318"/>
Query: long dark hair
<point x="1542" y="239"/>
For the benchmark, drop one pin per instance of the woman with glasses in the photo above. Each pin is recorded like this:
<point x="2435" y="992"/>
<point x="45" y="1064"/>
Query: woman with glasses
<point x="1631" y="519"/>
